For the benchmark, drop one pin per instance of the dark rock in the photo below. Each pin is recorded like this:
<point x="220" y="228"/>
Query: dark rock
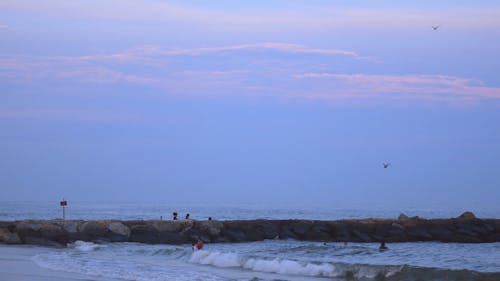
<point x="361" y="236"/>
<point x="94" y="229"/>
<point x="211" y="228"/>
<point x="51" y="231"/>
<point x="235" y="235"/>
<point x="68" y="226"/>
<point x="301" y="227"/>
<point x="144" y="234"/>
<point x="42" y="242"/>
<point x="186" y="231"/>
<point x="403" y="217"/>
<point x="173" y="226"/>
<point x="318" y="233"/>
<point x="418" y="234"/>
<point x="8" y="237"/>
<point x="467" y="216"/>
<point x="441" y="233"/>
<point x="28" y="228"/>
<point x="172" y="238"/>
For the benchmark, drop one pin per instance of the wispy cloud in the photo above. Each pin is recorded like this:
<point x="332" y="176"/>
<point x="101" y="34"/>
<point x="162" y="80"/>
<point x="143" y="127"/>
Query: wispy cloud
<point x="108" y="68"/>
<point x="143" y="54"/>
<point x="283" y="47"/>
<point x="416" y="87"/>
<point x="167" y="71"/>
<point x="4" y="26"/>
<point x="65" y="114"/>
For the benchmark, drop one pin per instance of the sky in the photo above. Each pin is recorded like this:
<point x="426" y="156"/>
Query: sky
<point x="251" y="101"/>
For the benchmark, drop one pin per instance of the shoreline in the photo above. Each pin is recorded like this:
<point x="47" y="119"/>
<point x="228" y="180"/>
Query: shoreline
<point x="464" y="229"/>
<point x="16" y="264"/>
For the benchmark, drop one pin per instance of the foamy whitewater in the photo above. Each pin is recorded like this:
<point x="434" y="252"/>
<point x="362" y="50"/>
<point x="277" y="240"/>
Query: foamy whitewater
<point x="264" y="260"/>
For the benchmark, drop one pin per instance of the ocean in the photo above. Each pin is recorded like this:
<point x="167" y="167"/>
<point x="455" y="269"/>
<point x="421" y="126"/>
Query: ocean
<point x="255" y="261"/>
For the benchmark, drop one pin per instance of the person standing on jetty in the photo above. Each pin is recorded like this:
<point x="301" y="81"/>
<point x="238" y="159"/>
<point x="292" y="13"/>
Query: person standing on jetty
<point x="187" y="216"/>
<point x="175" y="216"/>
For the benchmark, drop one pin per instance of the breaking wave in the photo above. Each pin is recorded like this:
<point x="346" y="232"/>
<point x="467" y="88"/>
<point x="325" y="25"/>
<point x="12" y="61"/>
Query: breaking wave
<point x="85" y="246"/>
<point x="338" y="271"/>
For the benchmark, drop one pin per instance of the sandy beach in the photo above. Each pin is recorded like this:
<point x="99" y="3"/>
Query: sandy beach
<point x="16" y="265"/>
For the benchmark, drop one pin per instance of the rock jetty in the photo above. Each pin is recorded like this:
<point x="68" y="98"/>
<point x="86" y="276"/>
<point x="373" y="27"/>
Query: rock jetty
<point x="464" y="229"/>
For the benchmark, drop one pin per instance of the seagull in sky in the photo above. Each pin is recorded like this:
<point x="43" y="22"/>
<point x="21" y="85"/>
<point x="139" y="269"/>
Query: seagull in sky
<point x="386" y="165"/>
<point x="436" y="27"/>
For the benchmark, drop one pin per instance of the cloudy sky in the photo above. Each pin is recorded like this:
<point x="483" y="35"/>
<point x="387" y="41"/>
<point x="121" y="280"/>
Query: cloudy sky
<point x="266" y="101"/>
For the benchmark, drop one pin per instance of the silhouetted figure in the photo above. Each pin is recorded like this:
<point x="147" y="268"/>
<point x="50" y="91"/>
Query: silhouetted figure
<point x="383" y="247"/>
<point x="187" y="216"/>
<point x="209" y="218"/>
<point x="175" y="216"/>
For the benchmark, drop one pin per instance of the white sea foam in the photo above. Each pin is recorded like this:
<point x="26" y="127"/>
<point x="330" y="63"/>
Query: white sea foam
<point x="215" y="258"/>
<point x="280" y="266"/>
<point x="291" y="267"/>
<point x="85" y="246"/>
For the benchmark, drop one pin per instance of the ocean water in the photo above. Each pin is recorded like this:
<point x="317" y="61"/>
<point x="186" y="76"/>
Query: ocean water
<point x="227" y="211"/>
<point x="265" y="260"/>
<point x="277" y="260"/>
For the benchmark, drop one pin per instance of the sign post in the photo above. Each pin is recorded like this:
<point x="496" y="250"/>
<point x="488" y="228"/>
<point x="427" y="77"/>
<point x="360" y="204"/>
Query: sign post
<point x="63" y="204"/>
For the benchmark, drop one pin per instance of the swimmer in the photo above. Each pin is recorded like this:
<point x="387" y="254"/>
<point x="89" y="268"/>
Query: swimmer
<point x="199" y="244"/>
<point x="383" y="247"/>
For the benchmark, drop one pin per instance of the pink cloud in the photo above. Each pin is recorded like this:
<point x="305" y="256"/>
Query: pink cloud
<point x="417" y="87"/>
<point x="283" y="47"/>
<point x="4" y="26"/>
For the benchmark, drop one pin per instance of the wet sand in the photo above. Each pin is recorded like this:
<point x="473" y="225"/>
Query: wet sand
<point x="16" y="265"/>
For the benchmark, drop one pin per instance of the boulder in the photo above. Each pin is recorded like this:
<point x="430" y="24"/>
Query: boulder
<point x="28" y="228"/>
<point x="172" y="226"/>
<point x="211" y="228"/>
<point x="42" y="242"/>
<point x="144" y="233"/>
<point x="68" y="226"/>
<point x="301" y="227"/>
<point x="467" y="216"/>
<point x="403" y="217"/>
<point x="52" y="231"/>
<point x="172" y="238"/>
<point x="118" y="232"/>
<point x="119" y="228"/>
<point x="8" y="237"/>
<point x="318" y="233"/>
<point x="93" y="229"/>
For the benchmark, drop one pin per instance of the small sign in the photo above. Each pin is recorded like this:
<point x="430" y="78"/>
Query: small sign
<point x="63" y="203"/>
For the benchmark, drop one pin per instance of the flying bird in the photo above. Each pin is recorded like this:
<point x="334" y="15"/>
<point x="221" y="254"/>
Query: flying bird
<point x="386" y="165"/>
<point x="436" y="27"/>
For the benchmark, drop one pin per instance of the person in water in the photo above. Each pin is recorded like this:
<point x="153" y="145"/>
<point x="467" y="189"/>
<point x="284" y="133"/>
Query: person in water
<point x="383" y="247"/>
<point x="199" y="244"/>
